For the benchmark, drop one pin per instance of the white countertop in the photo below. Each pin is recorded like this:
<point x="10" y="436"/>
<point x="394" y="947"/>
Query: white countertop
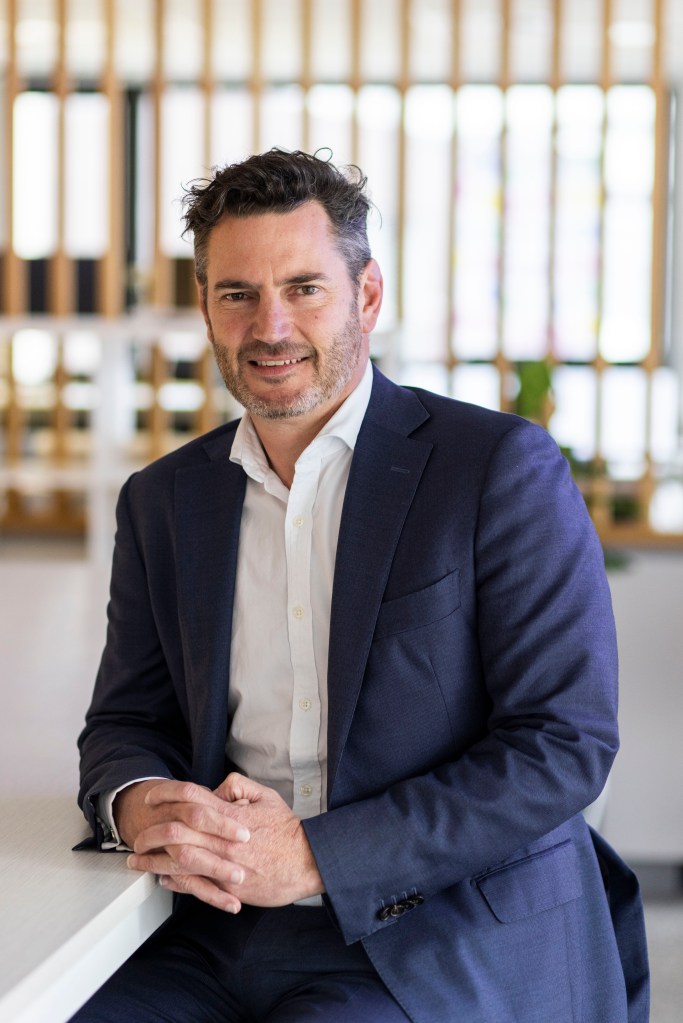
<point x="67" y="919"/>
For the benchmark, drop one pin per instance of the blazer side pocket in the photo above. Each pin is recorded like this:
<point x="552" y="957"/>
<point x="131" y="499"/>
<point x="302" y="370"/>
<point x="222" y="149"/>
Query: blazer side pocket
<point x="423" y="607"/>
<point x="543" y="881"/>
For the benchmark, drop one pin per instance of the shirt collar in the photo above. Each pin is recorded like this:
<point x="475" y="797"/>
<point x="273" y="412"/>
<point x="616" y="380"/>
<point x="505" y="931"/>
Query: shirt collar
<point x="345" y="425"/>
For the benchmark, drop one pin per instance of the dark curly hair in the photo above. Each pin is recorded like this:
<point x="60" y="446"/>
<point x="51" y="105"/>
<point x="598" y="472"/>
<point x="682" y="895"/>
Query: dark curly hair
<point x="278" y="182"/>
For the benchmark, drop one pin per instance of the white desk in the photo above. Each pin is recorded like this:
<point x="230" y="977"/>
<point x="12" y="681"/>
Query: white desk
<point x="67" y="919"/>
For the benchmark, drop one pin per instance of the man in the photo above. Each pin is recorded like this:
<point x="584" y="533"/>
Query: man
<point x="360" y="673"/>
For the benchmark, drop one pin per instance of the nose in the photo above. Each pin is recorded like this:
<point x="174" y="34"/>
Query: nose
<point x="272" y="322"/>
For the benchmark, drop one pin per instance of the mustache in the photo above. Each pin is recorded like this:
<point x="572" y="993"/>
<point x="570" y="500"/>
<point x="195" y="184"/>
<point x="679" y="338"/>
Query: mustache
<point x="280" y="350"/>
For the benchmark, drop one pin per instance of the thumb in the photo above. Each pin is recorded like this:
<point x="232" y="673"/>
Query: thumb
<point x="238" y="789"/>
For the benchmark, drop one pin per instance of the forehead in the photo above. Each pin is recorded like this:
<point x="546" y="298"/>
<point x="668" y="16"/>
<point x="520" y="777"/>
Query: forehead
<point x="300" y="240"/>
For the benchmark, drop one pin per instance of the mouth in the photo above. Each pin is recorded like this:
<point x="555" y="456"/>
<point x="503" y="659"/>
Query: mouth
<point x="276" y="362"/>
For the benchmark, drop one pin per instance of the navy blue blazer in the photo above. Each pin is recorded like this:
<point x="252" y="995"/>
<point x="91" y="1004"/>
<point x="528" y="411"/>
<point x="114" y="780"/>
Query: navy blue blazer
<point x="472" y="705"/>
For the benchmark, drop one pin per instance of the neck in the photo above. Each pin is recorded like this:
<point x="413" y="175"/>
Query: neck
<point x="283" y="441"/>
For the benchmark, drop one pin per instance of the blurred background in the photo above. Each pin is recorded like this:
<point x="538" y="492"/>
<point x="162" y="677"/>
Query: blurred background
<point x="524" y="157"/>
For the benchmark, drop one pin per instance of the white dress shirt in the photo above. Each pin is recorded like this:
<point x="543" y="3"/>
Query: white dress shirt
<point x="281" y="617"/>
<point x="281" y="614"/>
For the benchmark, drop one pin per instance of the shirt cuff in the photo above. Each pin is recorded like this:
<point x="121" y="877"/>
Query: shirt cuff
<point x="105" y="815"/>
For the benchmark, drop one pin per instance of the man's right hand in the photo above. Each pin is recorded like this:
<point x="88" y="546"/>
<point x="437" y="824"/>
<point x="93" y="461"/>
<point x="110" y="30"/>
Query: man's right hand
<point x="189" y="832"/>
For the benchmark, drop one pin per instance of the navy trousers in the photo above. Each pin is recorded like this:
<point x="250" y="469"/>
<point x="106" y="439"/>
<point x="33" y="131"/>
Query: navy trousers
<point x="286" y="965"/>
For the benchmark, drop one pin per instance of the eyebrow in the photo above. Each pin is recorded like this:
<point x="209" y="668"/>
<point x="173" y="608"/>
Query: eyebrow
<point x="234" y="285"/>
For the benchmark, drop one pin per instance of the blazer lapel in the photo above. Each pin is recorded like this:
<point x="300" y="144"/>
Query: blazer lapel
<point x="209" y="501"/>
<point x="385" y="473"/>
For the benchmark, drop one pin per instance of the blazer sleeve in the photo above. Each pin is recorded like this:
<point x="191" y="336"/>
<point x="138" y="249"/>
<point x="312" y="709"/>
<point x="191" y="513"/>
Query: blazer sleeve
<point x="547" y="645"/>
<point x="134" y="727"/>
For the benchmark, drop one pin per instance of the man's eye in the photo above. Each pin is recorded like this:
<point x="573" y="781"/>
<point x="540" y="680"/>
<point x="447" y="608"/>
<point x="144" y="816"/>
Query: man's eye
<point x="235" y="296"/>
<point x="308" y="289"/>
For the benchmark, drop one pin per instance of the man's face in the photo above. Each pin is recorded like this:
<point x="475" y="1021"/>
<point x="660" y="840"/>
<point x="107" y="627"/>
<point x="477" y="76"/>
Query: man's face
<point x="288" y="326"/>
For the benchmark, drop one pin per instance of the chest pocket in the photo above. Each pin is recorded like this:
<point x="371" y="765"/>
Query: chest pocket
<point x="415" y="610"/>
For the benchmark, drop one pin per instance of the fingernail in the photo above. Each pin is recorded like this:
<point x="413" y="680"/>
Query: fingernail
<point x="237" y="877"/>
<point x="130" y="863"/>
<point x="242" y="835"/>
<point x="163" y="880"/>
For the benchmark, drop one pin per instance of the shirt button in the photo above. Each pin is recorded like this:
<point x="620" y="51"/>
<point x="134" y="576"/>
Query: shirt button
<point x="306" y="790"/>
<point x="305" y="704"/>
<point x="298" y="612"/>
<point x="299" y="521"/>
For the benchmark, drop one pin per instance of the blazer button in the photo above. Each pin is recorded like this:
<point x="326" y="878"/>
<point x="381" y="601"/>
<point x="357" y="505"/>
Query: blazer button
<point x="399" y="908"/>
<point x="392" y="912"/>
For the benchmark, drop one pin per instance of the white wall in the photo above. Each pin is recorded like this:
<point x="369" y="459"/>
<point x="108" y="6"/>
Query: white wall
<point x="644" y="814"/>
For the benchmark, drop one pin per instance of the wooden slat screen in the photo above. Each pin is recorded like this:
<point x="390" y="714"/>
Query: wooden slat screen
<point x="134" y="300"/>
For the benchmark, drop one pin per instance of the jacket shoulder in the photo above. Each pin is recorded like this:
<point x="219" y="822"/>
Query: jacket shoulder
<point x="474" y="430"/>
<point x="453" y="411"/>
<point x="198" y="451"/>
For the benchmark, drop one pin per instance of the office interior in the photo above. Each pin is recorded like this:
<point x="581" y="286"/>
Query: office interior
<point x="525" y="158"/>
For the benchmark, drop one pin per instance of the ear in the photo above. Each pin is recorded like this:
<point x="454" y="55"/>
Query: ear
<point x="370" y="296"/>
<point x="202" y="302"/>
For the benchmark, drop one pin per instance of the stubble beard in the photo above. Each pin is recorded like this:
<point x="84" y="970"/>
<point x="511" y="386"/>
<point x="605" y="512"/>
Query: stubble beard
<point x="340" y="360"/>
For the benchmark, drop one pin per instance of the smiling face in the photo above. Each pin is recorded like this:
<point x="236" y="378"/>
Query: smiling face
<point x="289" y="327"/>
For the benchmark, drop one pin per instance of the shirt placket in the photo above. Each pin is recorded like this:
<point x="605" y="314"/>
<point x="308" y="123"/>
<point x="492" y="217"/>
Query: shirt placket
<point x="305" y="726"/>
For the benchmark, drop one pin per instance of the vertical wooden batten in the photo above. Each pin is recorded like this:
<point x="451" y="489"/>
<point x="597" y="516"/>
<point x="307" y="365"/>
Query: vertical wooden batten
<point x="13" y="284"/>
<point x="256" y="78"/>
<point x="600" y="489"/>
<point x="556" y="81"/>
<point x="160" y="285"/>
<point x="207" y="82"/>
<point x="205" y="414"/>
<point x="501" y="361"/>
<point x="455" y="83"/>
<point x="660" y="190"/>
<point x="157" y="417"/>
<point x="112" y="264"/>
<point x="355" y="79"/>
<point x="402" y="184"/>
<point x="61" y="277"/>
<point x="306" y="80"/>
